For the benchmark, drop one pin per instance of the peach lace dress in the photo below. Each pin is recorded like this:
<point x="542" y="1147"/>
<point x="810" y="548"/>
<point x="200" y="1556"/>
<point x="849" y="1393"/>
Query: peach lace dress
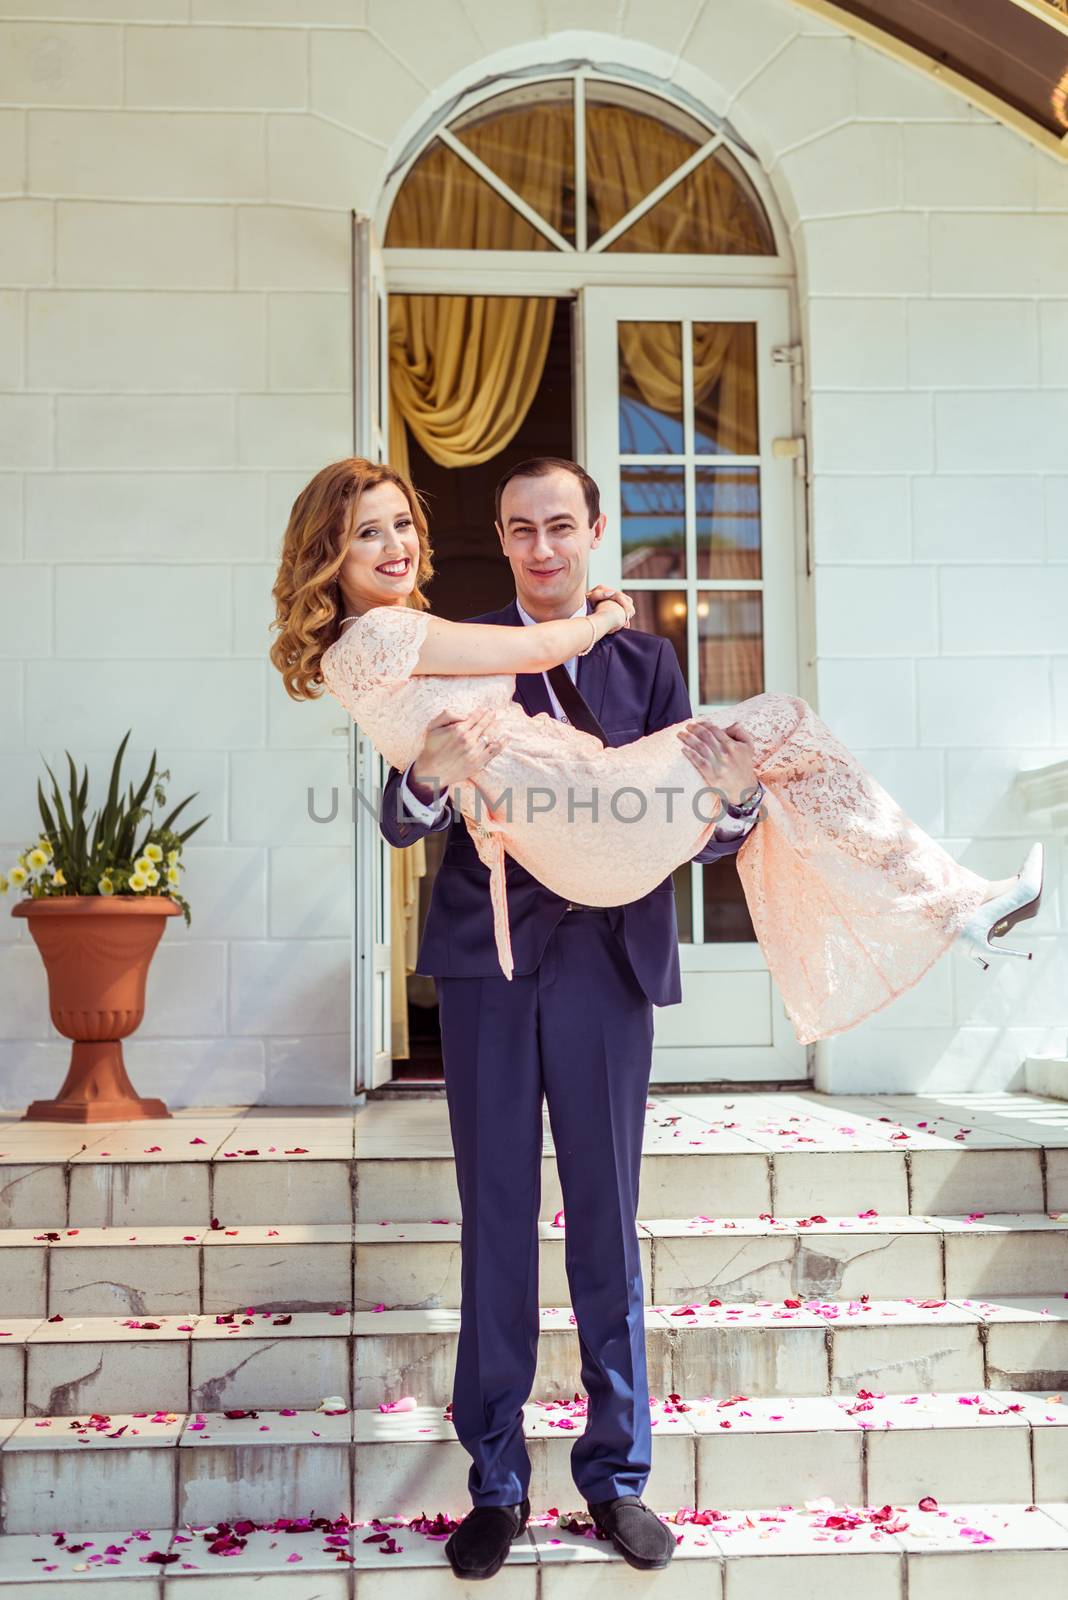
<point x="850" y="900"/>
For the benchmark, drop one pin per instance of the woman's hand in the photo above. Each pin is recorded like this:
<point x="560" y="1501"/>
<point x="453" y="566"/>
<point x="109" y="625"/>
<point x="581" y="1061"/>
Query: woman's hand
<point x="603" y="592"/>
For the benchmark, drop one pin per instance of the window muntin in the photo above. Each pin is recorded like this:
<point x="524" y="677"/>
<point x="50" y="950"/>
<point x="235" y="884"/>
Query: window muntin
<point x="519" y="150"/>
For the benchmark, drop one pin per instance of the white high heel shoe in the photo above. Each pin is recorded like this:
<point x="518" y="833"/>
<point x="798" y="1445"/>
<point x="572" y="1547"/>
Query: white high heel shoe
<point x="997" y="916"/>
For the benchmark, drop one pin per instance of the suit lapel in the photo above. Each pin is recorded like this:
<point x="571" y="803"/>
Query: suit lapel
<point x="591" y="677"/>
<point x="530" y="687"/>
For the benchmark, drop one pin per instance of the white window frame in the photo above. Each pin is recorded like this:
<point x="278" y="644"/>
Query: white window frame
<point x="752" y="1030"/>
<point x="567" y="268"/>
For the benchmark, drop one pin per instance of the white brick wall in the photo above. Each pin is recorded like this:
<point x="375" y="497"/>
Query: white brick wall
<point x="175" y="182"/>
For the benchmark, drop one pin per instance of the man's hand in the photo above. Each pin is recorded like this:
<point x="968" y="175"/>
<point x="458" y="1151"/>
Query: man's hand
<point x="723" y="757"/>
<point x="455" y="748"/>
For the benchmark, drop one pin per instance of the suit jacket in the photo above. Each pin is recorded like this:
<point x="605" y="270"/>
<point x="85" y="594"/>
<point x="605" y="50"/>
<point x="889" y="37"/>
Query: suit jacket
<point x="633" y="684"/>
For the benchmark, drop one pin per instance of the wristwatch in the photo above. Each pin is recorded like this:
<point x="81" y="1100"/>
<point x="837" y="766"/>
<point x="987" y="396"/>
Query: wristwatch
<point x="748" y="807"/>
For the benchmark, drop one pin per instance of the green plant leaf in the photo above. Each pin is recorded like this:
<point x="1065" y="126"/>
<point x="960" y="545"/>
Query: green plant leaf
<point x="189" y="832"/>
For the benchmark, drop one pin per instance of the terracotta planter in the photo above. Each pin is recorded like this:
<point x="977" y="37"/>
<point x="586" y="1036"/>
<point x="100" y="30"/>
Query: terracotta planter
<point x="96" y="949"/>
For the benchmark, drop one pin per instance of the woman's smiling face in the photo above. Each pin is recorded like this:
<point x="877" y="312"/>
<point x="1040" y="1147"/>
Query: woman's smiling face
<point x="383" y="553"/>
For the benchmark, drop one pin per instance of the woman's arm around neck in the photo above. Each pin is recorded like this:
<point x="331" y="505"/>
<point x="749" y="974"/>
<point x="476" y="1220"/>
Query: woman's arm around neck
<point x="483" y="648"/>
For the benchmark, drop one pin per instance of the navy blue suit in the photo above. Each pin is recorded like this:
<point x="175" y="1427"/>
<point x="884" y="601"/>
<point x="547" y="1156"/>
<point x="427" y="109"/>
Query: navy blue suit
<point x="575" y="1026"/>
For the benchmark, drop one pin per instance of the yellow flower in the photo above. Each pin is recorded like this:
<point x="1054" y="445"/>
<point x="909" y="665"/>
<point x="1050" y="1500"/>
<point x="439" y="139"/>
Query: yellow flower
<point x="153" y="852"/>
<point x="137" y="883"/>
<point x="19" y="874"/>
<point x="172" y="856"/>
<point x="45" y="844"/>
<point x="105" y="885"/>
<point x="172" y="875"/>
<point x="4" y="885"/>
<point x="142" y="864"/>
<point x="152" y="877"/>
<point x="57" y="876"/>
<point x="37" y="859"/>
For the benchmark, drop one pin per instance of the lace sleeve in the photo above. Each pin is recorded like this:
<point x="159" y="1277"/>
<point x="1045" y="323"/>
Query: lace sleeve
<point x="379" y="651"/>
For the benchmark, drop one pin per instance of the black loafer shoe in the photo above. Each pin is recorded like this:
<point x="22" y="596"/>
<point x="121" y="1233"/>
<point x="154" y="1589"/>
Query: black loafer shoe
<point x="635" y="1530"/>
<point x="477" y="1548"/>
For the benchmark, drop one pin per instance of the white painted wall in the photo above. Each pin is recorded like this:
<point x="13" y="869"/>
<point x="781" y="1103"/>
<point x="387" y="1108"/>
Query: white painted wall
<point x="177" y="177"/>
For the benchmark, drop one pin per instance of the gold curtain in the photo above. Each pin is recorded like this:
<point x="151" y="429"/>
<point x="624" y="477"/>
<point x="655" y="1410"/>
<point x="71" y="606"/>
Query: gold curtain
<point x="408" y="867"/>
<point x="708" y="213"/>
<point x="465" y="368"/>
<point x="463" y="372"/>
<point x="626" y="157"/>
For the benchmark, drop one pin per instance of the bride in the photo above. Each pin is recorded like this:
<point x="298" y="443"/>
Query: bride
<point x="850" y="900"/>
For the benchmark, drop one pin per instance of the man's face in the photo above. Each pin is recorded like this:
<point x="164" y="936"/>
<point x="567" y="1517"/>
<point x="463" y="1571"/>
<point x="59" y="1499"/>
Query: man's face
<point x="547" y="536"/>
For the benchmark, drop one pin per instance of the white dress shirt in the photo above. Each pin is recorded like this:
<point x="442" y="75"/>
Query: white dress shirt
<point x="726" y="828"/>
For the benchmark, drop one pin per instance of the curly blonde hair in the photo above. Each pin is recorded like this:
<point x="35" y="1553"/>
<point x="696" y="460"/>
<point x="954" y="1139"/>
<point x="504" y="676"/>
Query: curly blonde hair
<point x="308" y="599"/>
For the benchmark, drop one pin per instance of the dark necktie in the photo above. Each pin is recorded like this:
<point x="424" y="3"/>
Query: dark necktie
<point x="575" y="708"/>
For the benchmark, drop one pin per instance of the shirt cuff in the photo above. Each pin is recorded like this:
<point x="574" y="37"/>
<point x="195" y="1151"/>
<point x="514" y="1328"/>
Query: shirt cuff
<point x="418" y="808"/>
<point x="729" y="827"/>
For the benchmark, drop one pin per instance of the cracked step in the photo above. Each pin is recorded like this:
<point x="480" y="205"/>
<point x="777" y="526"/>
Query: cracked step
<point x="831" y="1347"/>
<point x="417" y="1265"/>
<point x="315" y="1267"/>
<point x="729" y="1452"/>
<point x="371" y="1358"/>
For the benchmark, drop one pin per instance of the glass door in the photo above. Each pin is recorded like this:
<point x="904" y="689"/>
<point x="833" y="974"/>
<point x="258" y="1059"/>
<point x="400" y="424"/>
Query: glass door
<point x="687" y="416"/>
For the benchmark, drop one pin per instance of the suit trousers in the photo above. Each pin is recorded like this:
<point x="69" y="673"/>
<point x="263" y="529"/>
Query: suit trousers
<point x="578" y="1030"/>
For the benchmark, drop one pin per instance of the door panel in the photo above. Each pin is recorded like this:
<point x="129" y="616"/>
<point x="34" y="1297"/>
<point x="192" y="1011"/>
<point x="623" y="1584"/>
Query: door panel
<point x="371" y="1013"/>
<point x="683" y="401"/>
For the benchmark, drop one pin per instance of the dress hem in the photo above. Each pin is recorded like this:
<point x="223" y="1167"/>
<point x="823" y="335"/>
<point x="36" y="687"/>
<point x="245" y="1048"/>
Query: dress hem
<point x="950" y="939"/>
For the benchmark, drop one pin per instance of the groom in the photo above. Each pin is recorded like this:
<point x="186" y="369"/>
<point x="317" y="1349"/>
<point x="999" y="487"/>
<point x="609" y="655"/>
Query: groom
<point x="575" y="1023"/>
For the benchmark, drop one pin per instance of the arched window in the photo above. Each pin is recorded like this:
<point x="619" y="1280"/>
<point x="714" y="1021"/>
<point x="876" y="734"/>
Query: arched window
<point x="579" y="163"/>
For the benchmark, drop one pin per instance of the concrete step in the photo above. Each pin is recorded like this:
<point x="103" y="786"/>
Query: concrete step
<point x="97" y="1470"/>
<point x="764" y="1348"/>
<point x="735" y="1451"/>
<point x="742" y="1180"/>
<point x="417" y="1265"/>
<point x="762" y="1553"/>
<point x="190" y="1168"/>
<point x="319" y="1266"/>
<point x="138" y="1271"/>
<point x="815" y="1347"/>
<point x="746" y="1154"/>
<point x="819" y="1552"/>
<point x="783" y="1154"/>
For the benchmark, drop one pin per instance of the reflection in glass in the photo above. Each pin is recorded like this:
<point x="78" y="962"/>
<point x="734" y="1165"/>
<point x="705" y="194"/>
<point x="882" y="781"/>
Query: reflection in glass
<point x="650" y="388"/>
<point x="727" y="513"/>
<point x="727" y="919"/>
<point x="444" y="205"/>
<point x="730" y="645"/>
<point x="725" y="388"/>
<point x="663" y="612"/>
<point x="527" y="137"/>
<point x="714" y="210"/>
<point x="653" y="522"/>
<point x="683" y="880"/>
